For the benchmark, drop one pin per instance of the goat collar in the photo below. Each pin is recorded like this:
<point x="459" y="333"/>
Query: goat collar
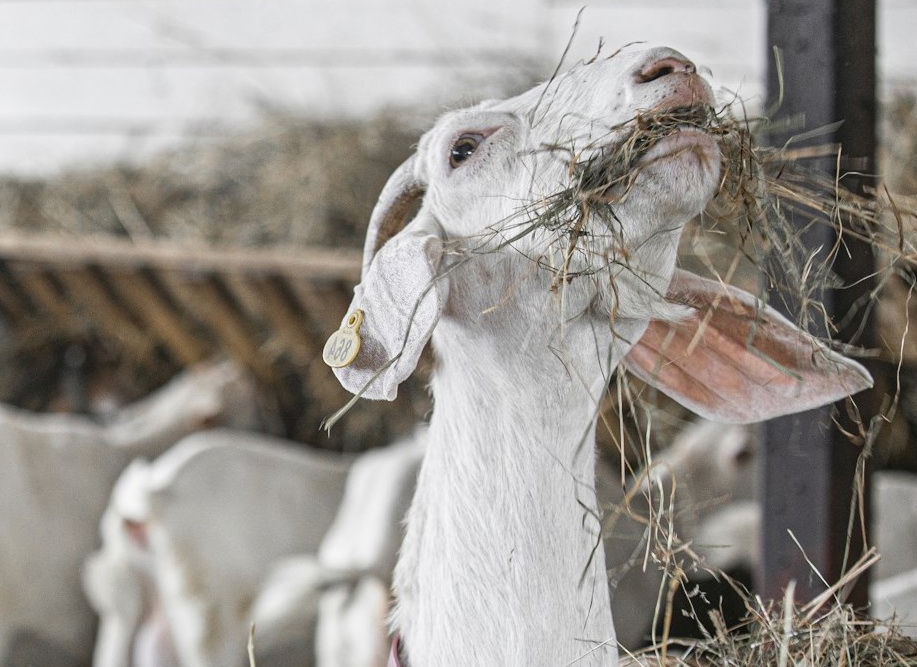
<point x="394" y="657"/>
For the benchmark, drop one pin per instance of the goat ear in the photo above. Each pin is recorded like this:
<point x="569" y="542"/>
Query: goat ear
<point x="399" y="299"/>
<point x="737" y="360"/>
<point x="398" y="198"/>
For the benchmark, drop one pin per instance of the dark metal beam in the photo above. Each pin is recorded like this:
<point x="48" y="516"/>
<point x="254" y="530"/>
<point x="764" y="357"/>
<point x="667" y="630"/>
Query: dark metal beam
<point x="828" y="58"/>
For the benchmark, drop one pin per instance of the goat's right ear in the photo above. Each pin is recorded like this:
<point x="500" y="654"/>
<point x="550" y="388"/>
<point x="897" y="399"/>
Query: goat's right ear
<point x="399" y="300"/>
<point x="734" y="359"/>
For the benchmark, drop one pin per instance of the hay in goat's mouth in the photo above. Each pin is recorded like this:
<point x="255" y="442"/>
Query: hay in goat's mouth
<point x="609" y="171"/>
<point x="608" y="175"/>
<point x="768" y="200"/>
<point x="601" y="175"/>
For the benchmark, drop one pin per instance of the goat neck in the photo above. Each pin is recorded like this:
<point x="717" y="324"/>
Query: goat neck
<point x="506" y="497"/>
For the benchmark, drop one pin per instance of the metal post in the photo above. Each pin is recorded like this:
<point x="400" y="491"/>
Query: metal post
<point x="828" y="49"/>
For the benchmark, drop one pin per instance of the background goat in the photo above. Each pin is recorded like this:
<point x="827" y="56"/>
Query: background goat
<point x="230" y="528"/>
<point x="56" y="474"/>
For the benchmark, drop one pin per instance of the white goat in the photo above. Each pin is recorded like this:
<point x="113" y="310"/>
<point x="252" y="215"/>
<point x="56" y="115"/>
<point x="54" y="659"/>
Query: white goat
<point x="499" y="565"/>
<point x="343" y="591"/>
<point x="229" y="528"/>
<point x="894" y="529"/>
<point x="56" y="473"/>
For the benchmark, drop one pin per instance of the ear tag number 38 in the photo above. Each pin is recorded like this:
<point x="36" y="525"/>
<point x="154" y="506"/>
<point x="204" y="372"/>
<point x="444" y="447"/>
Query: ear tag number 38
<point x="343" y="345"/>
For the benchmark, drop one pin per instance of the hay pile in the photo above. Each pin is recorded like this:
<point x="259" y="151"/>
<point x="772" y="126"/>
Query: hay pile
<point x="788" y="637"/>
<point x="822" y="633"/>
<point x="834" y="639"/>
<point x="290" y="182"/>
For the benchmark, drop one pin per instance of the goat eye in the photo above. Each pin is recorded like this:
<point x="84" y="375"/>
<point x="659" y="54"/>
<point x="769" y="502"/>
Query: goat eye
<point x="463" y="148"/>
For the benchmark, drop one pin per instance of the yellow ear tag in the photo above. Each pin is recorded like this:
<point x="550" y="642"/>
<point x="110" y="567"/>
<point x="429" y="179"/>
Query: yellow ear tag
<point x="343" y="345"/>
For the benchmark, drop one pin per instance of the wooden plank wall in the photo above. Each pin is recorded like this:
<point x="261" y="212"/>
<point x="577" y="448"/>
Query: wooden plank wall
<point x="189" y="301"/>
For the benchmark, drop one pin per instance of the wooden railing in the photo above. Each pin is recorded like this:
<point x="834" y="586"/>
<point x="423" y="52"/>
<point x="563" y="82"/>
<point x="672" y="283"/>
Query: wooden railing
<point x="189" y="300"/>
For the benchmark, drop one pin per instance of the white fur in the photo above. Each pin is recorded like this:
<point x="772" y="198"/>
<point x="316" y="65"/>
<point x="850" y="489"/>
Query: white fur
<point x="231" y="528"/>
<point x="56" y="473"/>
<point x="731" y="537"/>
<point x="499" y="565"/>
<point x="894" y="588"/>
<point x="199" y="528"/>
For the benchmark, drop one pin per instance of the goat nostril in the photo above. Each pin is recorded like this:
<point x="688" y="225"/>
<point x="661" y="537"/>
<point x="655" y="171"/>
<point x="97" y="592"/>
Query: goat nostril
<point x="660" y="68"/>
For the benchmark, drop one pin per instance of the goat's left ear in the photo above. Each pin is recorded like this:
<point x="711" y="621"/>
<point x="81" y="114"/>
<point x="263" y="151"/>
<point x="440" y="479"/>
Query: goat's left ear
<point x="399" y="299"/>
<point x="737" y="360"/>
<point x="399" y="302"/>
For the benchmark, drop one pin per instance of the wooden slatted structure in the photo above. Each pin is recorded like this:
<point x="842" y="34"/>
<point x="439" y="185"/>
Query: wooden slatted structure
<point x="173" y="304"/>
<point x="187" y="300"/>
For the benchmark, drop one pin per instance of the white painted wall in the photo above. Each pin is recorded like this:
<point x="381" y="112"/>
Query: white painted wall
<point x="95" y="80"/>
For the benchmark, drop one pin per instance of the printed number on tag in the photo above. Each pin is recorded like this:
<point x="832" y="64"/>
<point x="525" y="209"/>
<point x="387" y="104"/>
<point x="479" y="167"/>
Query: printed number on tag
<point x="343" y="345"/>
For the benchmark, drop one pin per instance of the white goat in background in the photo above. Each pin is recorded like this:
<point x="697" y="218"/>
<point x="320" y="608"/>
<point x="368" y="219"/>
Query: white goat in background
<point x="528" y="321"/>
<point x="56" y="474"/>
<point x="230" y="528"/>
<point x="894" y="587"/>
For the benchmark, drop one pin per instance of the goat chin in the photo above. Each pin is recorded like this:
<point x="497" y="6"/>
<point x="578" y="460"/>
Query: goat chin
<point x="533" y="290"/>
